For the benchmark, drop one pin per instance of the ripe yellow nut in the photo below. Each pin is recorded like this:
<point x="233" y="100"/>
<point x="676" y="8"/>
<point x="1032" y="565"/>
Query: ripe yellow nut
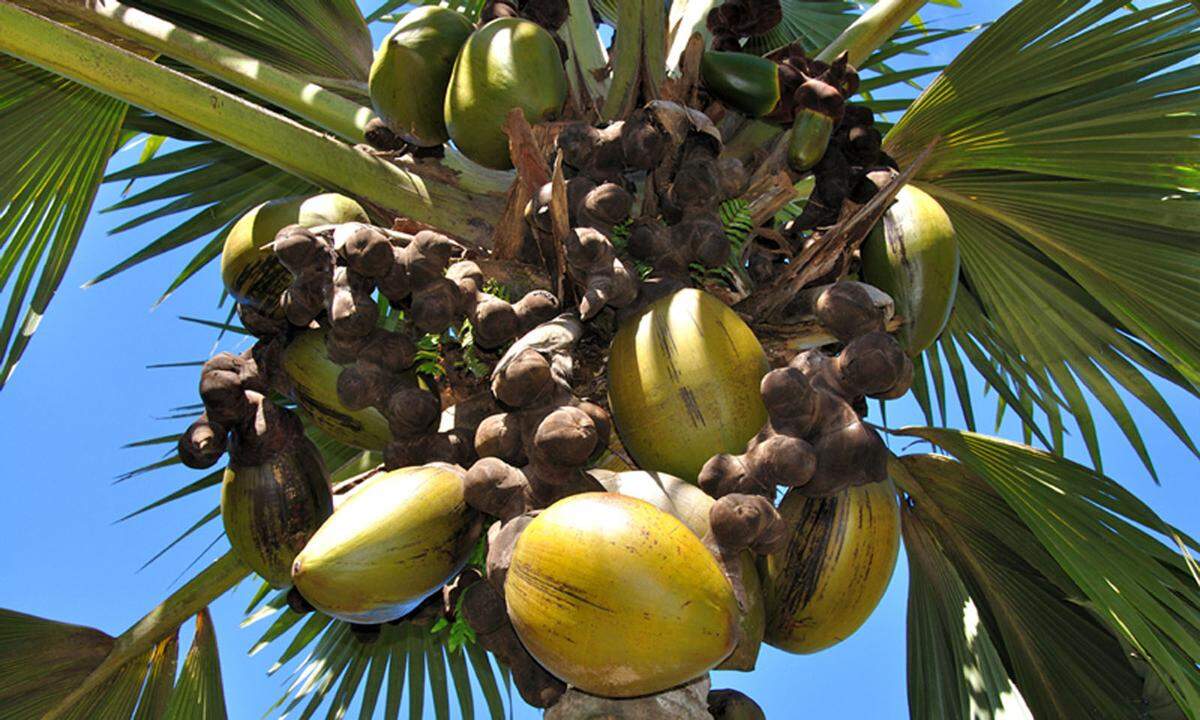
<point x="835" y="568"/>
<point x="619" y="598"/>
<point x="683" y="383"/>
<point x="395" y="540"/>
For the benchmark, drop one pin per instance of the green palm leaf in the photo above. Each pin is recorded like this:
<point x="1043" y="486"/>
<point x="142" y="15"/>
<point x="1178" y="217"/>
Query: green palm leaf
<point x="405" y="659"/>
<point x="321" y="38"/>
<point x="55" y="139"/>
<point x="42" y="661"/>
<point x="1069" y="570"/>
<point x="1067" y="158"/>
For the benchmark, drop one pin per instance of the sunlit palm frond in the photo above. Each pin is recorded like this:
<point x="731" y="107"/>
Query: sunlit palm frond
<point x="322" y="38"/>
<point x="55" y="139"/>
<point x="1067" y="158"/>
<point x="1071" y="574"/>
<point x="387" y="10"/>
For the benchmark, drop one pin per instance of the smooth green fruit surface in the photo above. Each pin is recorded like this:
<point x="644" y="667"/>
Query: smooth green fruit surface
<point x="683" y="383"/>
<point x="395" y="540"/>
<point x="412" y="69"/>
<point x="508" y="63"/>
<point x="271" y="510"/>
<point x="617" y="597"/>
<point x="912" y="255"/>
<point x="747" y="83"/>
<point x="810" y="139"/>
<point x="313" y="378"/>
<point x="251" y="273"/>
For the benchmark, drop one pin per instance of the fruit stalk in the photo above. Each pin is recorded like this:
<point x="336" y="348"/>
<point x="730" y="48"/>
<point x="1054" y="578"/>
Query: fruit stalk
<point x="638" y="57"/>
<point x="254" y="130"/>
<point x="211" y="583"/>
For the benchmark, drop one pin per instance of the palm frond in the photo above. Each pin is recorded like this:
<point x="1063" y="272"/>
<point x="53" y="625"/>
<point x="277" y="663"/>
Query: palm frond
<point x="320" y="38"/>
<point x="55" y="138"/>
<point x="1082" y="597"/>
<point x="387" y="10"/>
<point x="43" y="661"/>
<point x="405" y="660"/>
<point x="1067" y="154"/>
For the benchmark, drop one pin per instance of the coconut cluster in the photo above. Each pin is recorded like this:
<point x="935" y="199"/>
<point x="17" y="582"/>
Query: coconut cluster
<point x="336" y="272"/>
<point x="815" y="439"/>
<point x="673" y="153"/>
<point x="532" y="454"/>
<point x="238" y="415"/>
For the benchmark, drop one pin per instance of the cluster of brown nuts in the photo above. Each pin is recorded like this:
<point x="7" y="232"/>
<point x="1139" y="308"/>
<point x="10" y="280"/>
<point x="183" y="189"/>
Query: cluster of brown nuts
<point x="531" y="455"/>
<point x="238" y="415"/>
<point x="815" y="439"/>
<point x="550" y="14"/>
<point x="677" y="150"/>
<point x="335" y="273"/>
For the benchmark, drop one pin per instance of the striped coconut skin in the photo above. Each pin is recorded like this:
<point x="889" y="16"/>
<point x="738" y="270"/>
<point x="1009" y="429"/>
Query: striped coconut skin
<point x="249" y="269"/>
<point x="619" y="598"/>
<point x="271" y="510"/>
<point x="683" y="381"/>
<point x="692" y="505"/>
<point x="912" y="255"/>
<point x="835" y="567"/>
<point x="313" y="378"/>
<point x="393" y="542"/>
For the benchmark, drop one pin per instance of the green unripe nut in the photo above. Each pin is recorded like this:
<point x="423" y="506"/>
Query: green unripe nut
<point x="912" y="255"/>
<point x="508" y="63"/>
<point x="412" y="70"/>
<point x="810" y="139"/>
<point x="747" y="83"/>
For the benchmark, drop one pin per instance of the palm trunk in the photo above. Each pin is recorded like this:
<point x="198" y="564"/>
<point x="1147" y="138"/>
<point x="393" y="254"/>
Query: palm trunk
<point x="450" y="201"/>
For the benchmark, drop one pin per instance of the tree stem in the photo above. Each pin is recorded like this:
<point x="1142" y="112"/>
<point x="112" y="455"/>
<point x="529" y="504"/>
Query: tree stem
<point x="213" y="582"/>
<point x="871" y="29"/>
<point x="443" y="201"/>
<point x="639" y="57"/>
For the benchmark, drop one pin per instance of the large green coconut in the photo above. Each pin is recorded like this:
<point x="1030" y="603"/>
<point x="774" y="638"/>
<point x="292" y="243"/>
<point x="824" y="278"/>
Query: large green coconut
<point x="412" y="69"/>
<point x="251" y="273"/>
<point x="912" y="255"/>
<point x="508" y="63"/>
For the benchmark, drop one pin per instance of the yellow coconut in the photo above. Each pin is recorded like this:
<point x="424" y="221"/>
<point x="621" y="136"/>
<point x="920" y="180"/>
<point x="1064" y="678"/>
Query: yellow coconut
<point x="683" y="382"/>
<point x="835" y="568"/>
<point x="619" y="598"/>
<point x="395" y="540"/>
<point x="314" y="381"/>
<point x="251" y="273"/>
<point x="692" y="505"/>
<point x="271" y="510"/>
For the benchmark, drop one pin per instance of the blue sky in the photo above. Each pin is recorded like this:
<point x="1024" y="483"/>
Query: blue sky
<point x="82" y="391"/>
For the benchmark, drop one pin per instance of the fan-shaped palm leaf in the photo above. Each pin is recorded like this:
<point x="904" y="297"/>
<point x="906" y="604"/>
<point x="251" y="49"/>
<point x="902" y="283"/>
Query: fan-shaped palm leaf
<point x="1067" y="157"/>
<point x="1067" y="577"/>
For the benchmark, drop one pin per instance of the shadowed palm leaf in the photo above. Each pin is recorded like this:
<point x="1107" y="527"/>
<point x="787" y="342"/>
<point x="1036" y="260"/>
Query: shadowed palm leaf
<point x="1077" y="595"/>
